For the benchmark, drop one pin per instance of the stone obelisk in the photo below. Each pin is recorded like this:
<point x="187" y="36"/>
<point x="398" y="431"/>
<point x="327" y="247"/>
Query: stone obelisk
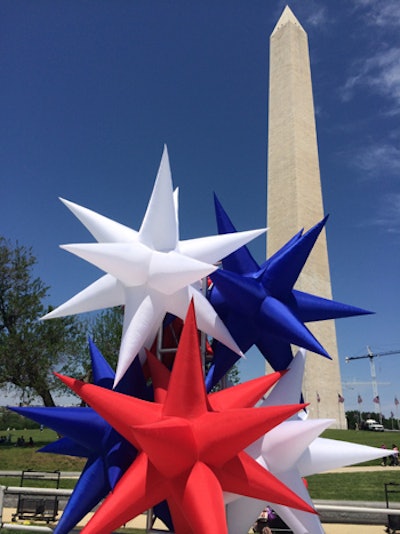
<point x="295" y="197"/>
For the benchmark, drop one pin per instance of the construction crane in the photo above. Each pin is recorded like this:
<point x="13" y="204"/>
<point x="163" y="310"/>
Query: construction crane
<point x="371" y="357"/>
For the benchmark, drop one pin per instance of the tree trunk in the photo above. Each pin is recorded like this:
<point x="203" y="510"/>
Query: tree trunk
<point x="46" y="397"/>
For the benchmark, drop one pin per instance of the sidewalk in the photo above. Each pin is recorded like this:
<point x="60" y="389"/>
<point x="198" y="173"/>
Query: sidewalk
<point x="330" y="528"/>
<point x="138" y="522"/>
<point x="354" y="529"/>
<point x="361" y="468"/>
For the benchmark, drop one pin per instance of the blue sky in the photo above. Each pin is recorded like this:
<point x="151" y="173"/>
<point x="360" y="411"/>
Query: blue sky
<point x="91" y="90"/>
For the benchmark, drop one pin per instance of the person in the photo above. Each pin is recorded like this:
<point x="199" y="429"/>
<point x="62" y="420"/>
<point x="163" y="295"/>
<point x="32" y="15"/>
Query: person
<point x="261" y="525"/>
<point x="384" y="459"/>
<point x="394" y="458"/>
<point x="21" y="441"/>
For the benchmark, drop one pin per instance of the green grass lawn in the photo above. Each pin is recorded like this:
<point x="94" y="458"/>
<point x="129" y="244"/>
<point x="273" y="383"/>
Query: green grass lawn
<point x="342" y="486"/>
<point x="363" y="486"/>
<point x="13" y="458"/>
<point x="364" y="437"/>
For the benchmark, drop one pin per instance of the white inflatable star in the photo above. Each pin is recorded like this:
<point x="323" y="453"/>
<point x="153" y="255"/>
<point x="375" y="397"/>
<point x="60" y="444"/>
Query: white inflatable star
<point x="291" y="451"/>
<point x="150" y="272"/>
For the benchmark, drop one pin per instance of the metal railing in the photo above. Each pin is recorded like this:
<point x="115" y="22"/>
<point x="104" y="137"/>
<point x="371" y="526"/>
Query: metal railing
<point x="17" y="490"/>
<point x="356" y="509"/>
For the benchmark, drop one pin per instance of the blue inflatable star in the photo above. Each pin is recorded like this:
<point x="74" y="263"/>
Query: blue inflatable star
<point x="259" y="305"/>
<point x="88" y="435"/>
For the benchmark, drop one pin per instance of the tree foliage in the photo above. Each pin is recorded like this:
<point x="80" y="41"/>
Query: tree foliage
<point x="9" y="419"/>
<point x="355" y="419"/>
<point x="30" y="349"/>
<point x="106" y="332"/>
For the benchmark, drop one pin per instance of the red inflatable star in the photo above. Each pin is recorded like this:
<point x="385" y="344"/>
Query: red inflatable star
<point x="190" y="446"/>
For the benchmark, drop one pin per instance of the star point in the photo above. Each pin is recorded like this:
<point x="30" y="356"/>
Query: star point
<point x="87" y="435"/>
<point x="184" y="442"/>
<point x="293" y="450"/>
<point x="260" y="307"/>
<point x="151" y="271"/>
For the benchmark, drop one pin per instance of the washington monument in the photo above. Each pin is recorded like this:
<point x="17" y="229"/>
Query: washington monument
<point x="295" y="198"/>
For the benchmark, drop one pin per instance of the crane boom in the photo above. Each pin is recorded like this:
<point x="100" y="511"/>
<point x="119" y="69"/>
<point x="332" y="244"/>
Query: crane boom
<point x="371" y="357"/>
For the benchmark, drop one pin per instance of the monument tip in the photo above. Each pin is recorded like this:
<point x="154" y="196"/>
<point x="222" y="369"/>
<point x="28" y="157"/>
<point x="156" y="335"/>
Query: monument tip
<point x="286" y="17"/>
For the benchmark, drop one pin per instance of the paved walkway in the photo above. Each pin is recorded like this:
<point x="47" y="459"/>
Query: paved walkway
<point x="330" y="528"/>
<point x="360" y="468"/>
<point x="138" y="522"/>
<point x="354" y="529"/>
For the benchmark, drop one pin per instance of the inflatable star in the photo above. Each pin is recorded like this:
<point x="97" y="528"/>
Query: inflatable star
<point x="291" y="451"/>
<point x="188" y="453"/>
<point x="260" y="307"/>
<point x="88" y="435"/>
<point x="151" y="271"/>
<point x="244" y="395"/>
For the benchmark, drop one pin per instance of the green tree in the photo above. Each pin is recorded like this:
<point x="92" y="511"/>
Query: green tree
<point x="9" y="419"/>
<point x="106" y="332"/>
<point x="30" y="349"/>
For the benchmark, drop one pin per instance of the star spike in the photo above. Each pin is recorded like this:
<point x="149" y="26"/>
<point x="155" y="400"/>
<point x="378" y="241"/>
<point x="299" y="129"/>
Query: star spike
<point x="284" y="269"/>
<point x="102" y="373"/>
<point x="275" y="278"/>
<point x="240" y="426"/>
<point x="213" y="248"/>
<point x="153" y="260"/>
<point x="246" y="394"/>
<point x="256" y="480"/>
<point x="268" y="312"/>
<point x="135" y="264"/>
<point x="325" y="454"/>
<point x="68" y="420"/>
<point x="106" y="292"/>
<point x="215" y="439"/>
<point x="203" y="480"/>
<point x="159" y="377"/>
<point x="102" y="228"/>
<point x="66" y="446"/>
<point x="288" y="390"/>
<point x="108" y="454"/>
<point x="143" y="411"/>
<point x="187" y="398"/>
<point x="291" y="451"/>
<point x="300" y="434"/>
<point x="140" y="480"/>
<point x="313" y="308"/>
<point x="163" y="237"/>
<point x="242" y="261"/>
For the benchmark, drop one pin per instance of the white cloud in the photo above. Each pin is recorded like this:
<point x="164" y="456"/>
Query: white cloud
<point x="380" y="73"/>
<point x="318" y="17"/>
<point x="378" y="160"/>
<point x="381" y="13"/>
<point x="387" y="216"/>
